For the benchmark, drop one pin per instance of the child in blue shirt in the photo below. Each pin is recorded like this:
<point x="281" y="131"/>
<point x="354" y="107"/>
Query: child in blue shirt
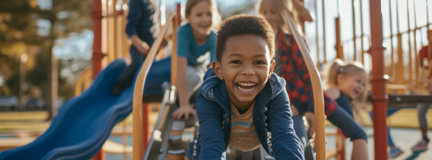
<point x="242" y="103"/>
<point x="196" y="44"/>
<point x="141" y="29"/>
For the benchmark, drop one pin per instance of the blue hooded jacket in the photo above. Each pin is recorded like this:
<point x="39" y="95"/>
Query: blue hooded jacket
<point x="271" y="117"/>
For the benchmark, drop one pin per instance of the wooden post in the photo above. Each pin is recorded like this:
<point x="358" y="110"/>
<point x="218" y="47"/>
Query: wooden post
<point x="379" y="96"/>
<point x="145" y="114"/>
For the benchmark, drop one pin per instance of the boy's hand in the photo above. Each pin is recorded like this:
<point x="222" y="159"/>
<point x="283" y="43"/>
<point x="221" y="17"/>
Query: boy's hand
<point x="310" y="118"/>
<point x="185" y="110"/>
<point x="143" y="48"/>
<point x="140" y="45"/>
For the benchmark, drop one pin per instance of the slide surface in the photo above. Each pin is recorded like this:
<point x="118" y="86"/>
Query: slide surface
<point x="85" y="122"/>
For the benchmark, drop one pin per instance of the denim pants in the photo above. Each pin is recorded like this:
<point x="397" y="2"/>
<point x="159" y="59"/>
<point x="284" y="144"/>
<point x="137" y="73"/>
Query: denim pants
<point x="128" y="74"/>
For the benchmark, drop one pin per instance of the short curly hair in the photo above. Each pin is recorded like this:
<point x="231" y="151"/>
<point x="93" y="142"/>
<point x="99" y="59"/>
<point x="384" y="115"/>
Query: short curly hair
<point x="244" y="24"/>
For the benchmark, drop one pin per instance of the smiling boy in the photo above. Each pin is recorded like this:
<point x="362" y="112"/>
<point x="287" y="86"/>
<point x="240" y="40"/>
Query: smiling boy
<point x="242" y="103"/>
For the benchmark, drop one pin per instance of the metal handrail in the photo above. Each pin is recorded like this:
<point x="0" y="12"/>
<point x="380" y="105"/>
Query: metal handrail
<point x="140" y="133"/>
<point x="316" y="87"/>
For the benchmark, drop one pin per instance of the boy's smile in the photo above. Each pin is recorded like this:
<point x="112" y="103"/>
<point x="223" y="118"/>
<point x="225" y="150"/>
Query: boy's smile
<point x="245" y="67"/>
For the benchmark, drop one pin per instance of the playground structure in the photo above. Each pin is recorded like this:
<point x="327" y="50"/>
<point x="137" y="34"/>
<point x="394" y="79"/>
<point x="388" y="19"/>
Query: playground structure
<point x="109" y="21"/>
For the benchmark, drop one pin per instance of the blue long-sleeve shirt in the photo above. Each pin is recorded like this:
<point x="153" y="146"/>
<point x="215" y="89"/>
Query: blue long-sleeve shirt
<point x="142" y="20"/>
<point x="271" y="117"/>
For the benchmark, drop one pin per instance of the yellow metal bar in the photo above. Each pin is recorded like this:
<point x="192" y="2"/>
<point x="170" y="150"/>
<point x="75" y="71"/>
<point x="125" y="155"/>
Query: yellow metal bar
<point x="138" y="130"/>
<point x="400" y="67"/>
<point x="81" y="85"/>
<point x="320" y="147"/>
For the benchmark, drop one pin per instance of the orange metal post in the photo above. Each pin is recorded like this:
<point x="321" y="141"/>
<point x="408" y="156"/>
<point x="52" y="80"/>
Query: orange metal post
<point x="339" y="51"/>
<point x="178" y="12"/>
<point x="417" y="75"/>
<point x="400" y="66"/>
<point x="97" y="40"/>
<point x="340" y="142"/>
<point x="379" y="96"/>
<point x="316" y="37"/>
<point x="100" y="155"/>
<point x="361" y="33"/>
<point x="354" y="31"/>
<point x="410" y="79"/>
<point x="391" y="45"/>
<point x="324" y="32"/>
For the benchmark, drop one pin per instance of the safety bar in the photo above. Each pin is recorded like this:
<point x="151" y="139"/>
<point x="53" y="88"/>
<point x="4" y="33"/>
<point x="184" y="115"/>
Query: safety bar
<point x="140" y="132"/>
<point x="83" y="81"/>
<point x="316" y="87"/>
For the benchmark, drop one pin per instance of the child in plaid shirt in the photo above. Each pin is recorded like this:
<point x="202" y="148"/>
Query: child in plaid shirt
<point x="291" y="66"/>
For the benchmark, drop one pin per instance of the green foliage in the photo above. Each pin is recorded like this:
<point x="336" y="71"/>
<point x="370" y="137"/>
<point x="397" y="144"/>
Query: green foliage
<point x="21" y="32"/>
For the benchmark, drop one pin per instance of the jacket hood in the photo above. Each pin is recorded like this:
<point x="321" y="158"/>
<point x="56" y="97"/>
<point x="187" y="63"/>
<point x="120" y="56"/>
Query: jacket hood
<point x="211" y="81"/>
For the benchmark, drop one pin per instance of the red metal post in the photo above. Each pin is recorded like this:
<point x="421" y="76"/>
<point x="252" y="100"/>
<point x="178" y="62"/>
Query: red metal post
<point x="96" y="14"/>
<point x="379" y="96"/>
<point x="178" y="12"/>
<point x="97" y="40"/>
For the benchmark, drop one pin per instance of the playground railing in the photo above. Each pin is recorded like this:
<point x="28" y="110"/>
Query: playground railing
<point x="317" y="89"/>
<point x="84" y="81"/>
<point x="140" y="114"/>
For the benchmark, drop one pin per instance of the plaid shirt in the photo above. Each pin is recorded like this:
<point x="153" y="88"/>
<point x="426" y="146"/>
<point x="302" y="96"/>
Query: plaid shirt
<point x="299" y="85"/>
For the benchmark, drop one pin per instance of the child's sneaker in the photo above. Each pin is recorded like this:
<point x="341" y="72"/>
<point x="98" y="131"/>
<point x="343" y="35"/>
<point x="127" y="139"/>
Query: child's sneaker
<point x="422" y="145"/>
<point x="394" y="152"/>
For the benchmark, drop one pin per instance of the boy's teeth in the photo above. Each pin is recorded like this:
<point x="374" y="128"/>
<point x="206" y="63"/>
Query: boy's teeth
<point x="245" y="90"/>
<point x="246" y="84"/>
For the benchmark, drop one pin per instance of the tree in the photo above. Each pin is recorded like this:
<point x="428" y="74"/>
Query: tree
<point x="24" y="24"/>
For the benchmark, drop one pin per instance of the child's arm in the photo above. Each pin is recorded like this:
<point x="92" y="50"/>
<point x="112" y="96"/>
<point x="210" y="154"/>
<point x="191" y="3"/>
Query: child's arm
<point x="182" y="52"/>
<point x="134" y="17"/>
<point x="285" y="143"/>
<point x="303" y="12"/>
<point x="211" y="136"/>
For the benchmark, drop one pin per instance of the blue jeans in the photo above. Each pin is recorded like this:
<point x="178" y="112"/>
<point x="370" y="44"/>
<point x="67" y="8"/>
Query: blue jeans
<point x="342" y="117"/>
<point x="128" y="75"/>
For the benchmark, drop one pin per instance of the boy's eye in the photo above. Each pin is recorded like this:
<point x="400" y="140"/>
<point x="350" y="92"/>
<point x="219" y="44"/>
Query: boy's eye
<point x="260" y="62"/>
<point x="235" y="62"/>
<point x="199" y="14"/>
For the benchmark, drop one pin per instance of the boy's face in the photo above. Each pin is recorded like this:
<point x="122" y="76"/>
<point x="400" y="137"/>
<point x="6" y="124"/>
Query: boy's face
<point x="245" y="67"/>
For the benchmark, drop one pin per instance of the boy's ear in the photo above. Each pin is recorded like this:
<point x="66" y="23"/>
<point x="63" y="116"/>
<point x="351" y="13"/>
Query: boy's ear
<point x="272" y="64"/>
<point x="217" y="69"/>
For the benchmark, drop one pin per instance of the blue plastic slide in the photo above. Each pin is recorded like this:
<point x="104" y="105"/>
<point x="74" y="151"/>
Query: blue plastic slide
<point x="85" y="122"/>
